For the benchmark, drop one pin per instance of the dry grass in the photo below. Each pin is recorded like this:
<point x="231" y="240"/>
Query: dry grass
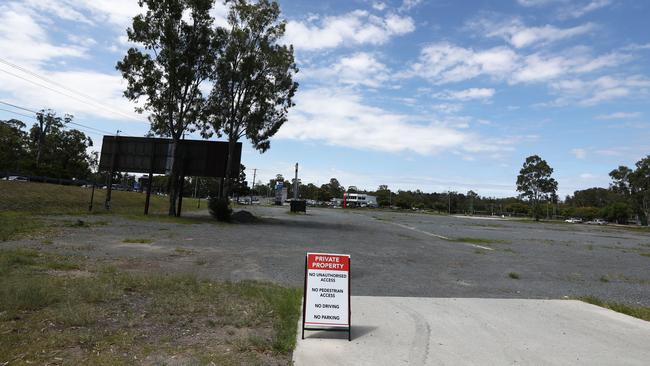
<point x="641" y="312"/>
<point x="44" y="198"/>
<point x="102" y="316"/>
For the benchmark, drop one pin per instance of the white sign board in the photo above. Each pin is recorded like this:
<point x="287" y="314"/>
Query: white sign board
<point x="327" y="292"/>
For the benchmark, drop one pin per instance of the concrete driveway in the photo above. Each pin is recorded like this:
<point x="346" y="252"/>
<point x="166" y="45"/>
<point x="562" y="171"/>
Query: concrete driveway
<point x="467" y="331"/>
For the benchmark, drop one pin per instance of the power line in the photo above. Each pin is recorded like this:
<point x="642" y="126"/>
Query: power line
<point x="20" y="114"/>
<point x="18" y="107"/>
<point x="94" y="101"/>
<point x="81" y="128"/>
<point x="70" y="122"/>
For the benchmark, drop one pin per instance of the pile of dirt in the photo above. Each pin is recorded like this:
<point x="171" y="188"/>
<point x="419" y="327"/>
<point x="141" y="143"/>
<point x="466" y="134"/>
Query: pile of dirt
<point x="244" y="217"/>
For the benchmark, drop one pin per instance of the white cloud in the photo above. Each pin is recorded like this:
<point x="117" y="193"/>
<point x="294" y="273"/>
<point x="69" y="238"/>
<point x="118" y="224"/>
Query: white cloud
<point x="539" y="67"/>
<point x="117" y="12"/>
<point x="106" y="88"/>
<point x="31" y="45"/>
<point x="358" y="69"/>
<point x="519" y="35"/>
<point x="447" y="108"/>
<point x="580" y="9"/>
<point x="357" y="27"/>
<point x="445" y="63"/>
<point x="467" y="94"/>
<point x="530" y="3"/>
<point x="379" y="6"/>
<point x="619" y="115"/>
<point x="573" y="9"/>
<point x="59" y="8"/>
<point x="602" y="89"/>
<point x="82" y="40"/>
<point x="579" y="153"/>
<point x="339" y="117"/>
<point x="409" y="4"/>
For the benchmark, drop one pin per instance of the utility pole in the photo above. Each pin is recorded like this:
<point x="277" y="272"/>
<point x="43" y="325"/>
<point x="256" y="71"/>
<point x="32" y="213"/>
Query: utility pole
<point x="449" y="197"/>
<point x="253" y="186"/>
<point x="295" y="184"/>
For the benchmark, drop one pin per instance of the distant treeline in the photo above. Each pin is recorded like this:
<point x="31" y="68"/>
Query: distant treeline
<point x="47" y="149"/>
<point x="626" y="199"/>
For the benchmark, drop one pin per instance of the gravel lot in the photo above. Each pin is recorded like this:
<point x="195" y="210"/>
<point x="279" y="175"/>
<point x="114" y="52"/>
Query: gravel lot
<point x="393" y="254"/>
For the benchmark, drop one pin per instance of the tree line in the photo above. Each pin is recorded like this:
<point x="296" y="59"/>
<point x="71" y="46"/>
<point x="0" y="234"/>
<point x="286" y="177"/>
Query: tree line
<point x="47" y="148"/>
<point x="627" y="198"/>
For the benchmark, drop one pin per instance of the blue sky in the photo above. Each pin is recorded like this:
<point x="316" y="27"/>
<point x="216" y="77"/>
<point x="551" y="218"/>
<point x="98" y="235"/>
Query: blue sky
<point x="433" y="95"/>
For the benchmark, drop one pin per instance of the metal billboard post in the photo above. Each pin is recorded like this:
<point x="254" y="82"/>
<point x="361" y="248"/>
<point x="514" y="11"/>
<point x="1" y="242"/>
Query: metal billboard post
<point x="109" y="188"/>
<point x="151" y="164"/>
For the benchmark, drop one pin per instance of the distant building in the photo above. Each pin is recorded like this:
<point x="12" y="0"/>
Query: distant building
<point x="360" y="200"/>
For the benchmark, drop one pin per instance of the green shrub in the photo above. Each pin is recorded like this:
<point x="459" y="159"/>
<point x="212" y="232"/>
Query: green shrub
<point x="220" y="209"/>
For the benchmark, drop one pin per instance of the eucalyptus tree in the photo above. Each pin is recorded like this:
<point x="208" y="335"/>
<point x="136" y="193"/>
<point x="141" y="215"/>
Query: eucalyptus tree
<point x="636" y="185"/>
<point x="165" y="72"/>
<point x="253" y="86"/>
<point x="46" y="121"/>
<point x="535" y="182"/>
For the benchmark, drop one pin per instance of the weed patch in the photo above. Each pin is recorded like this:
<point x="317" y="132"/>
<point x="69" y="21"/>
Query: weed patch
<point x="641" y="312"/>
<point x="137" y="241"/>
<point x="604" y="279"/>
<point x="514" y="275"/>
<point x="113" y="317"/>
<point x="14" y="225"/>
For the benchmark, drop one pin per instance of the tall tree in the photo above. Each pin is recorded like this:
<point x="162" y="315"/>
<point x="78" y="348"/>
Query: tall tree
<point x="47" y="120"/>
<point x="635" y="186"/>
<point x="335" y="188"/>
<point x="535" y="182"/>
<point x="472" y="196"/>
<point x="64" y="153"/>
<point x="640" y="188"/>
<point x="254" y="85"/>
<point x="13" y="145"/>
<point x="621" y="180"/>
<point x="177" y="57"/>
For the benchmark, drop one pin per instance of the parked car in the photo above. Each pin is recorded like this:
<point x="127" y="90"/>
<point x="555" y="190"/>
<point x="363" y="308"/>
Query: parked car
<point x="597" y="222"/>
<point x="573" y="220"/>
<point x="18" y="178"/>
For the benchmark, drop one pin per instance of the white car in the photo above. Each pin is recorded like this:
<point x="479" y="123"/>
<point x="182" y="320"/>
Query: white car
<point x="17" y="178"/>
<point x="573" y="220"/>
<point x="597" y="222"/>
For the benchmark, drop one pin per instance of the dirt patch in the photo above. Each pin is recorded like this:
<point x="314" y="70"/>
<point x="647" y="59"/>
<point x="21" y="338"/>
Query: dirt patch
<point x="72" y="273"/>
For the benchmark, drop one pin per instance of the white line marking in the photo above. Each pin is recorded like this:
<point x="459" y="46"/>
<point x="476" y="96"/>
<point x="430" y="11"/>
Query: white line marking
<point x="438" y="236"/>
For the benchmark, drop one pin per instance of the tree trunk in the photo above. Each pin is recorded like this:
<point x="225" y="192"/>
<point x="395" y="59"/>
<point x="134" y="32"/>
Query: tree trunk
<point x="173" y="180"/>
<point x="232" y="143"/>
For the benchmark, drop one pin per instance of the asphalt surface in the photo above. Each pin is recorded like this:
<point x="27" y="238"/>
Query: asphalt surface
<point x="392" y="254"/>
